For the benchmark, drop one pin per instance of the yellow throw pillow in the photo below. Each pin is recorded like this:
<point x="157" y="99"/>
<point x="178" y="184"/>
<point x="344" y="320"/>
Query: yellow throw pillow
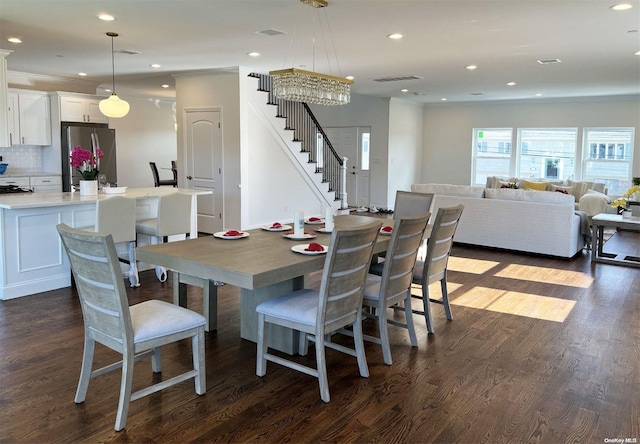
<point x="538" y="186"/>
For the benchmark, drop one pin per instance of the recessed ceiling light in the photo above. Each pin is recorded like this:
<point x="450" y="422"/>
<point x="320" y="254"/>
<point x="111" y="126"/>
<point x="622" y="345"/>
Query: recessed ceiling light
<point x="253" y="54"/>
<point x="350" y="77"/>
<point x="14" y="40"/>
<point x="539" y="95"/>
<point x="621" y="6"/>
<point x="106" y="17"/>
<point x="82" y="74"/>
<point x="404" y="90"/>
<point x="637" y="53"/>
<point x="511" y="84"/>
<point x="395" y="36"/>
<point x="549" y="61"/>
<point x="444" y="99"/>
<point x="471" y="67"/>
<point x="165" y="86"/>
<point x="155" y="65"/>
<point x="107" y="90"/>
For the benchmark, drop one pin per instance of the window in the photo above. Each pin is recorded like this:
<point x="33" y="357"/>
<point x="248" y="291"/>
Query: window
<point x="547" y="153"/>
<point x="364" y="151"/>
<point x="607" y="157"/>
<point x="491" y="153"/>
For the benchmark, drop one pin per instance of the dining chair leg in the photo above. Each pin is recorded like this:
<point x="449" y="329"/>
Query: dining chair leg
<point x="197" y="344"/>
<point x="85" y="372"/>
<point x="445" y="298"/>
<point x="427" y="307"/>
<point x="125" y="390"/>
<point x="408" y="313"/>
<point x="383" y="327"/>
<point x="134" y="280"/>
<point x="303" y="344"/>
<point x="321" y="365"/>
<point x="358" y="339"/>
<point x="261" y="361"/>
<point x="156" y="360"/>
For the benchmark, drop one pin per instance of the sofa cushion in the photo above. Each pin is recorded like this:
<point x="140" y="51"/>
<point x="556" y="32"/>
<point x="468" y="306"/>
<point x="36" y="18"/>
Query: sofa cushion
<point x="538" y="186"/>
<point x="448" y="190"/>
<point x="528" y="196"/>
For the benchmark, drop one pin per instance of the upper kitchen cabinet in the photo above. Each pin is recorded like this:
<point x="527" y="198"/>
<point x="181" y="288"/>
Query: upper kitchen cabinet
<point x="76" y="108"/>
<point x="29" y="118"/>
<point x="4" y="127"/>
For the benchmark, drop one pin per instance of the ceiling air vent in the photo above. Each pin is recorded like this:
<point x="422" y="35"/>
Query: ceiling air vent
<point x="270" y="32"/>
<point x="128" y="52"/>
<point x="549" y="61"/>
<point x="396" y="79"/>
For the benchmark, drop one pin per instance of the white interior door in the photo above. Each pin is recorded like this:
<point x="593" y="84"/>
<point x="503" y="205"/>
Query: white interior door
<point x="353" y="143"/>
<point x="204" y="165"/>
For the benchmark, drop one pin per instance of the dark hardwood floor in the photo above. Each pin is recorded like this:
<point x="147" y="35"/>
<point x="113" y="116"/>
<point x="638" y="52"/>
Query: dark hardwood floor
<point x="487" y="376"/>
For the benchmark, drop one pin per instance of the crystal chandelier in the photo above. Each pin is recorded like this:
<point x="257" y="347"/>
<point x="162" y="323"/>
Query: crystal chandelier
<point x="311" y="87"/>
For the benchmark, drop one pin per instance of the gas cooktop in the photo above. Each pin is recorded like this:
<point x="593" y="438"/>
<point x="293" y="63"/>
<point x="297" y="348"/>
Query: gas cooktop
<point x="13" y="189"/>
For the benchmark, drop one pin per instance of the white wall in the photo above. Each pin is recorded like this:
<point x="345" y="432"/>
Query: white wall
<point x="146" y="134"/>
<point x="405" y="147"/>
<point x="448" y="128"/>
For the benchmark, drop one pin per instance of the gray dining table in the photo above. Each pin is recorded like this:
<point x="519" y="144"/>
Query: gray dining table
<point x="262" y="264"/>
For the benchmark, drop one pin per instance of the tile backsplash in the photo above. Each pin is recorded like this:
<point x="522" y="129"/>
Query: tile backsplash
<point x="22" y="158"/>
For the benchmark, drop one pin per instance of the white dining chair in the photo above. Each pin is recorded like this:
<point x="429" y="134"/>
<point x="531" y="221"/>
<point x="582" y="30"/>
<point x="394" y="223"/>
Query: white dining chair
<point x="173" y="218"/>
<point x="392" y="290"/>
<point x="116" y="215"/>
<point x="135" y="332"/>
<point x="434" y="267"/>
<point x="318" y="314"/>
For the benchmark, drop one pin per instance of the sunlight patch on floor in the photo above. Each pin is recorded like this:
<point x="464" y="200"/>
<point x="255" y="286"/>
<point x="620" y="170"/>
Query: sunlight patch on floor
<point x="473" y="266"/>
<point x="515" y="303"/>
<point x="546" y="275"/>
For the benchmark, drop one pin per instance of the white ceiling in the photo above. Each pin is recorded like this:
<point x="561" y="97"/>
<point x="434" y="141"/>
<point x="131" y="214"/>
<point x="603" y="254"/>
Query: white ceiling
<point x="504" y="38"/>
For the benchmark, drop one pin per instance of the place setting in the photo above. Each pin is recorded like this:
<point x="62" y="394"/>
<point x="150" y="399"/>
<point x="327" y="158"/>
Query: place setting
<point x="311" y="249"/>
<point x="231" y="234"/>
<point x="387" y="230"/>
<point x="276" y="226"/>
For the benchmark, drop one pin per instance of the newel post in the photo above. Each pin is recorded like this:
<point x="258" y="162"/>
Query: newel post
<point x="343" y="185"/>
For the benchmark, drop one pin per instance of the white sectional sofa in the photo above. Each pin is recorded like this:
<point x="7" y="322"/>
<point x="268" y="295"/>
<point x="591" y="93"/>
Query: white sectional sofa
<point x="513" y="219"/>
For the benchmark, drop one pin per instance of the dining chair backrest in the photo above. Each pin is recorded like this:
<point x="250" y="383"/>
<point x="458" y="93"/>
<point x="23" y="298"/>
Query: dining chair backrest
<point x="397" y="272"/>
<point x="103" y="298"/>
<point x="440" y="243"/>
<point x="116" y="215"/>
<point x="410" y="204"/>
<point x="160" y="182"/>
<point x="174" y="214"/>
<point x="344" y="273"/>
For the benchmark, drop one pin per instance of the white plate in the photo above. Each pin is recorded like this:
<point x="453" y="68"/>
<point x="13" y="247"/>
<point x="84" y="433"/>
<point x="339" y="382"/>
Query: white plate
<point x="220" y="235"/>
<point x="302" y="249"/>
<point x="314" y="222"/>
<point x="282" y="228"/>
<point x="114" y="190"/>
<point x="322" y="230"/>
<point x="386" y="233"/>
<point x="304" y="236"/>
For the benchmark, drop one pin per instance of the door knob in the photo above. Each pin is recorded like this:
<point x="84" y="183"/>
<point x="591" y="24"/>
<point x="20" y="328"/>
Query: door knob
<point x="189" y="177"/>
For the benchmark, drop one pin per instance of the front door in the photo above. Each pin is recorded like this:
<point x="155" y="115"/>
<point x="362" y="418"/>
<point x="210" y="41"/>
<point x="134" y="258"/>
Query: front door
<point x="353" y="143"/>
<point x="203" y="165"/>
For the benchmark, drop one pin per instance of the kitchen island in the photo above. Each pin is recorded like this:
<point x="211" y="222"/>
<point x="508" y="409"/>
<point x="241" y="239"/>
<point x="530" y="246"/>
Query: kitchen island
<point x="32" y="258"/>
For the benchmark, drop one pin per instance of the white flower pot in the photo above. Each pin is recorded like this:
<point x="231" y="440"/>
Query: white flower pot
<point x="626" y="214"/>
<point x="88" y="187"/>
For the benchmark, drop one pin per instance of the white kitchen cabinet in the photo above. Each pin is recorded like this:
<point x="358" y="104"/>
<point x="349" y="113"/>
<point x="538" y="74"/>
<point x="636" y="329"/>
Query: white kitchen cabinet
<point x="29" y="118"/>
<point x="46" y="184"/>
<point x="21" y="181"/>
<point x="76" y="108"/>
<point x="4" y="93"/>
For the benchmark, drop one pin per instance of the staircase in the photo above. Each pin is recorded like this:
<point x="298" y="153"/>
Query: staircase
<point x="313" y="140"/>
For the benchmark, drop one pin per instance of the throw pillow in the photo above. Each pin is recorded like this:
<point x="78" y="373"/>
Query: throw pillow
<point x="537" y="186"/>
<point x="601" y="195"/>
<point x="513" y="185"/>
<point x="563" y="190"/>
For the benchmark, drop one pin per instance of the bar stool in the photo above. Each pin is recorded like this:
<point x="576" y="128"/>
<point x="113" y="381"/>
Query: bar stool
<point x="116" y="215"/>
<point x="174" y="217"/>
<point x="161" y="182"/>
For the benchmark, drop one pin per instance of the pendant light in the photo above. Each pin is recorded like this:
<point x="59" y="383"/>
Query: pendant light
<point x="114" y="106"/>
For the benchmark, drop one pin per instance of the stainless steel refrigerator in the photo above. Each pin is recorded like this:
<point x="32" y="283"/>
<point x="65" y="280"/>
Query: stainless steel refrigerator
<point x="88" y="136"/>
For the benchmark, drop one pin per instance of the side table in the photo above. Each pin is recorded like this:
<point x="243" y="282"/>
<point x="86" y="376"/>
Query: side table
<point x="599" y="221"/>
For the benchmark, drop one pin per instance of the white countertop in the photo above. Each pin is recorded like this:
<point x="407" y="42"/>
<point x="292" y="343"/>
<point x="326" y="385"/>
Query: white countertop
<point x="38" y="200"/>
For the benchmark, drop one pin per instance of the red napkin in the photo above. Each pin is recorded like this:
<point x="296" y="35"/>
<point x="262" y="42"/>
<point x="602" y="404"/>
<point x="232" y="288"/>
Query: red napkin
<point x="314" y="219"/>
<point x="233" y="233"/>
<point x="276" y="225"/>
<point x="314" y="247"/>
<point x="387" y="229"/>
